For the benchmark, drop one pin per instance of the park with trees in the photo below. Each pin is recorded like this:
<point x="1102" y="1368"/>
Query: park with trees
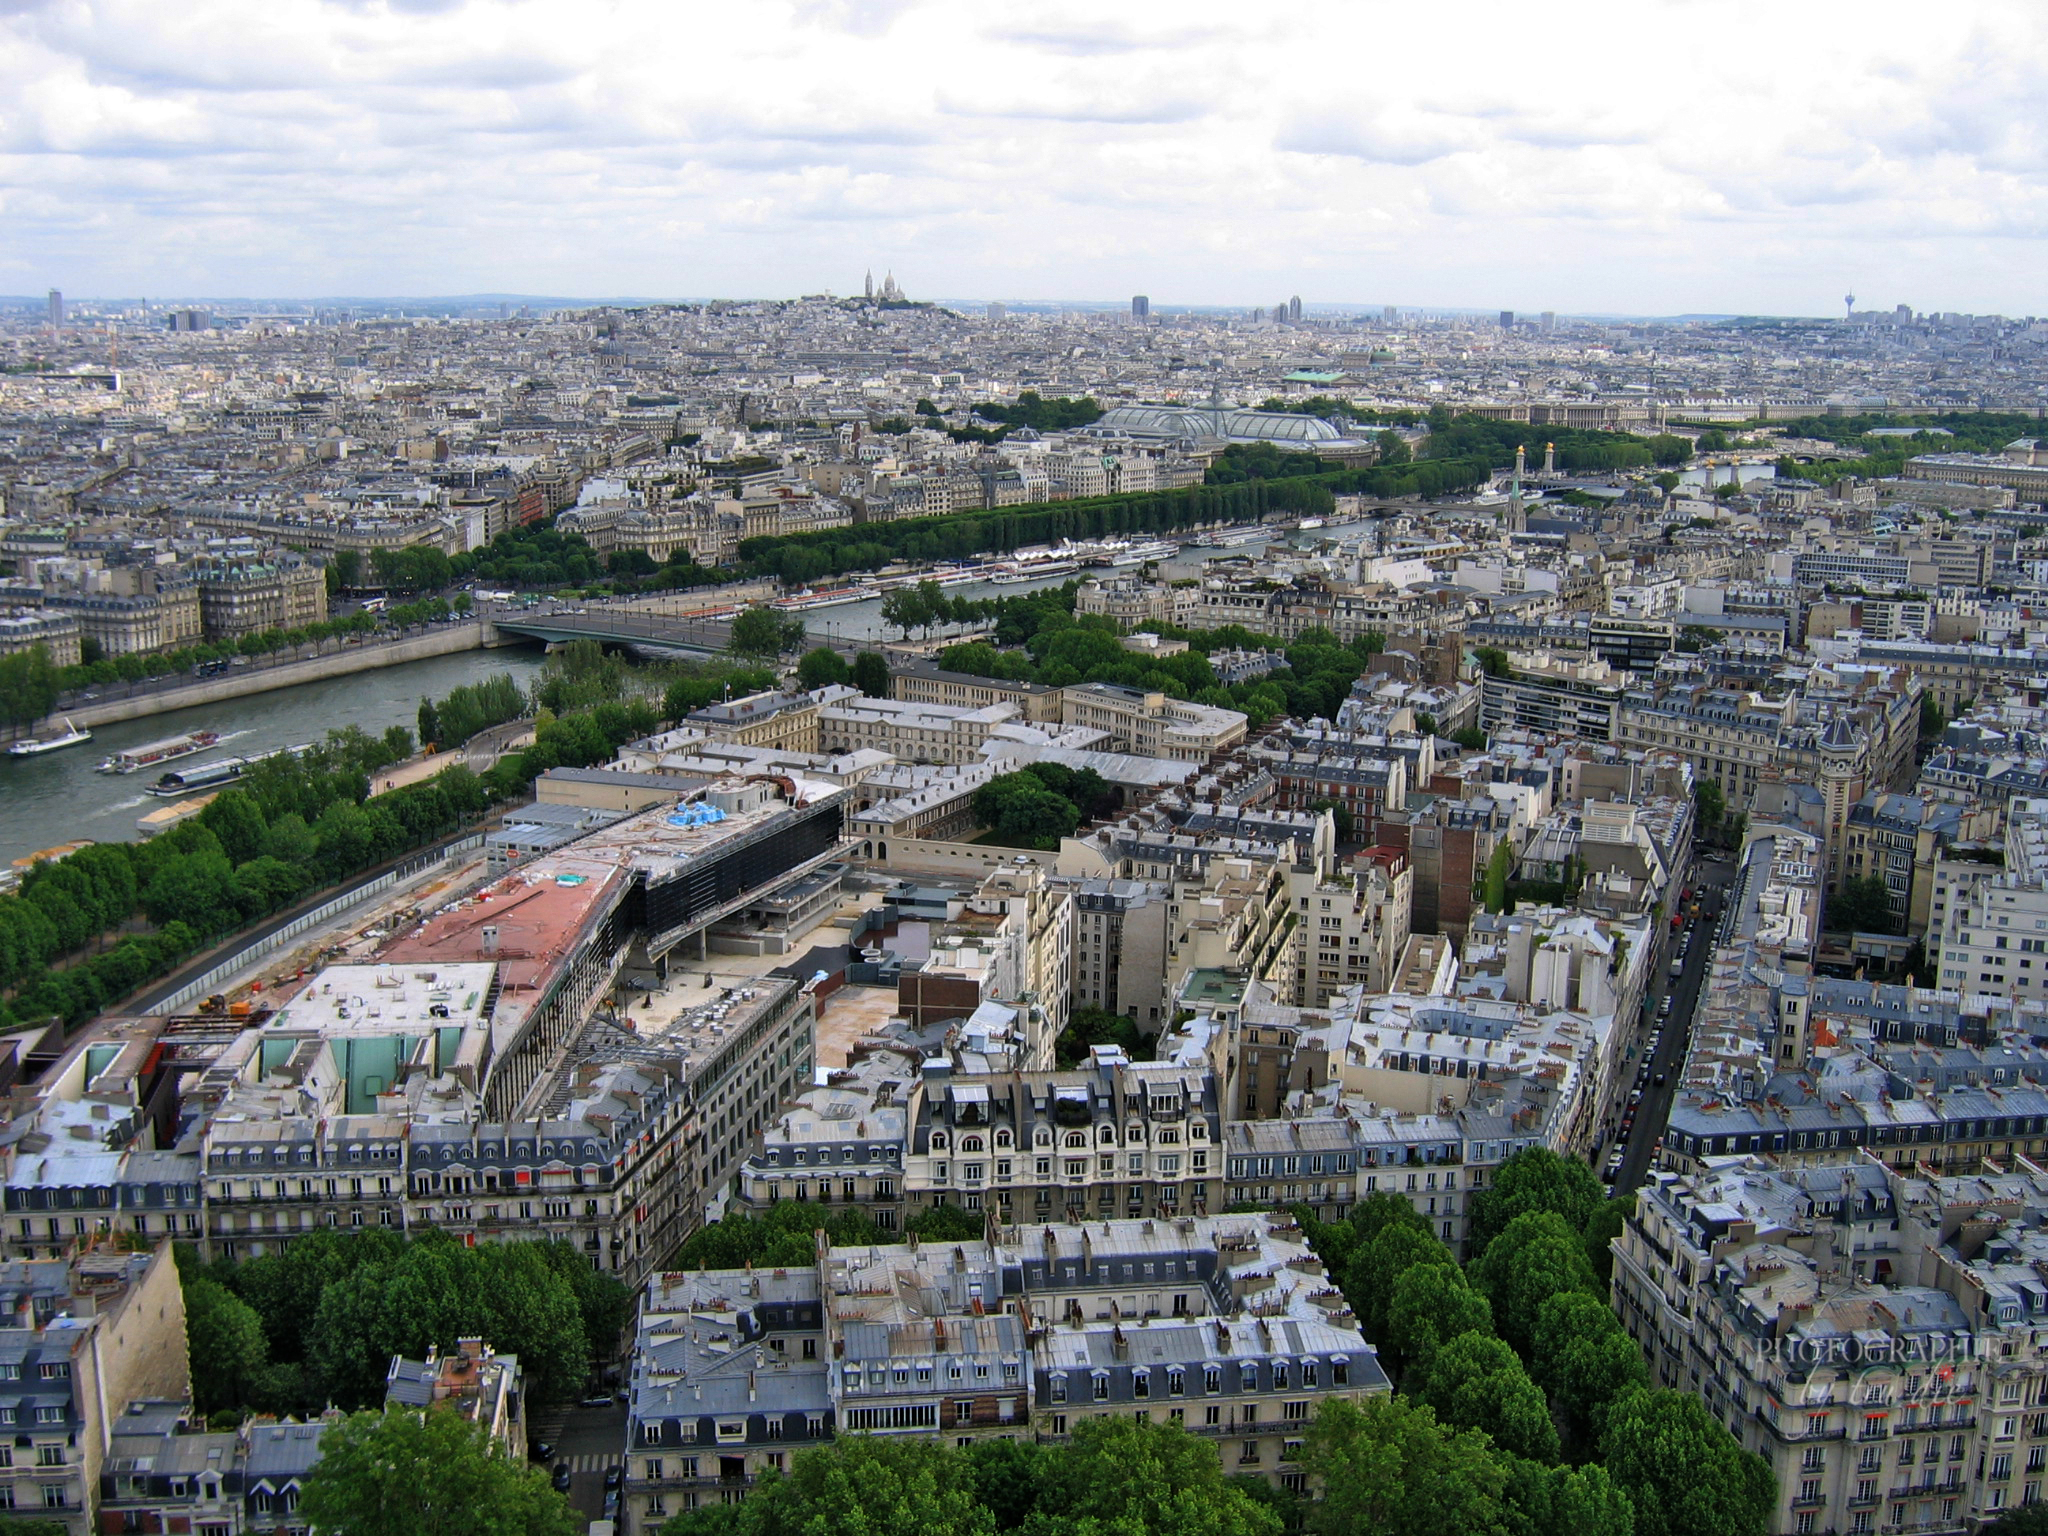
<point x="318" y="1321"/>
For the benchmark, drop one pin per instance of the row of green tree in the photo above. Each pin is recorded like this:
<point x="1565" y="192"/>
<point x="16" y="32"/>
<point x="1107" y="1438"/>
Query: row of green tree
<point x="291" y="824"/>
<point x="1329" y="407"/>
<point x="868" y="671"/>
<point x="470" y="708"/>
<point x="1268" y="461"/>
<point x="1524" y="1372"/>
<point x="1579" y="450"/>
<point x="318" y="1321"/>
<point x="31" y="684"/>
<point x="1059" y="414"/>
<point x="800" y="559"/>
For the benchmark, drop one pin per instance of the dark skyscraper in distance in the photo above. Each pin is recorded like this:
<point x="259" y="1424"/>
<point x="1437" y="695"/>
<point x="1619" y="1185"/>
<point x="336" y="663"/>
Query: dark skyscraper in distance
<point x="1507" y="319"/>
<point x="1294" y="307"/>
<point x="56" y="307"/>
<point x="1141" y="307"/>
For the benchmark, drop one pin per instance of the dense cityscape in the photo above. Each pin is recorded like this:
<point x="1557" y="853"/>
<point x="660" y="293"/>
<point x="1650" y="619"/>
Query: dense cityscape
<point x="1161" y="772"/>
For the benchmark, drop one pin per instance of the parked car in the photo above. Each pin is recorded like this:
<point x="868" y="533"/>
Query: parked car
<point x="562" y="1477"/>
<point x="598" y="1400"/>
<point x="614" y="1475"/>
<point x="542" y="1451"/>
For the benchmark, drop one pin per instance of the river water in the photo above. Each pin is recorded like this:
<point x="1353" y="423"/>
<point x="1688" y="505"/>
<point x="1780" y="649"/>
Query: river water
<point x="57" y="797"/>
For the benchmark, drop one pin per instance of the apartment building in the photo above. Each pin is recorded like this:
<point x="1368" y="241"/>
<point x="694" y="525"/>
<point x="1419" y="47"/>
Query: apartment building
<point x="1578" y="700"/>
<point x="55" y="634"/>
<point x="164" y="615"/>
<point x="1011" y="942"/>
<point x="1120" y="948"/>
<point x="83" y="1334"/>
<point x="1021" y="1335"/>
<point x="239" y="598"/>
<point x="1870" y="1331"/>
<point x="1150" y="724"/>
<point x="475" y="1380"/>
<point x="1353" y="925"/>
<point x="1901" y="840"/>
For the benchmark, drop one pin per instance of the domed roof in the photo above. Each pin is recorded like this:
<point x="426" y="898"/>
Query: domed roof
<point x="1213" y="422"/>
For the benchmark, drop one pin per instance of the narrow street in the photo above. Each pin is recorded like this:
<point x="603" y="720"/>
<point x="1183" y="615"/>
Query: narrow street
<point x="1658" y="1078"/>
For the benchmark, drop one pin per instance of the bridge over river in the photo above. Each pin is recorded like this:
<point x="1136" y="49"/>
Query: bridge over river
<point x="619" y="624"/>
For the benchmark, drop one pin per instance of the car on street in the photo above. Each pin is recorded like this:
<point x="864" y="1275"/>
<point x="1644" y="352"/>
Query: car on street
<point x="614" y="1475"/>
<point x="598" y="1400"/>
<point x="562" y="1477"/>
<point x="542" y="1451"/>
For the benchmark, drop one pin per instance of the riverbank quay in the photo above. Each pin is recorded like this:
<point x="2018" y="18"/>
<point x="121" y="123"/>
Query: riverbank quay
<point x="105" y="706"/>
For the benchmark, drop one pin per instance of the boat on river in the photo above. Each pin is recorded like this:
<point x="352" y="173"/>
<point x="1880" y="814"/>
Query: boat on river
<point x="165" y="751"/>
<point x="34" y="746"/>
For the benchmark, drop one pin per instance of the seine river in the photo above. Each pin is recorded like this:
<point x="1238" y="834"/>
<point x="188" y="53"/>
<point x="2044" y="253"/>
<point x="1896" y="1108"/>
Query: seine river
<point x="57" y="797"/>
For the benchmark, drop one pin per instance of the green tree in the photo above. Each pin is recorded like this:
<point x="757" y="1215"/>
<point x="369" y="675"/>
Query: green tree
<point x="761" y="631"/>
<point x="225" y="1338"/>
<point x="821" y="668"/>
<point x="429" y="723"/>
<point x="1431" y="1303"/>
<point x="1932" y="721"/>
<point x="1567" y="1501"/>
<point x="1494" y="888"/>
<point x="1602" y="1228"/>
<point x="907" y="608"/>
<point x="2027" y="1520"/>
<point x="1133" y="1476"/>
<point x="401" y="1472"/>
<point x="1533" y="1259"/>
<point x="1387" y="1467"/>
<point x="1534" y="1179"/>
<point x="1585" y="1360"/>
<point x="1378" y="1264"/>
<point x="1683" y="1472"/>
<point x="1393" y="449"/>
<point x="1476" y="1382"/>
<point x="872" y="1486"/>
<point x="946" y="1223"/>
<point x="1007" y="1476"/>
<point x="1711" y="805"/>
<point x="1862" y="905"/>
<point x="871" y="674"/>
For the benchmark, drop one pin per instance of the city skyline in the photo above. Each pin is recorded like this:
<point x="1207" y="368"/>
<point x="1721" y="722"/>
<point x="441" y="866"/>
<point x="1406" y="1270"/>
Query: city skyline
<point x="1657" y="168"/>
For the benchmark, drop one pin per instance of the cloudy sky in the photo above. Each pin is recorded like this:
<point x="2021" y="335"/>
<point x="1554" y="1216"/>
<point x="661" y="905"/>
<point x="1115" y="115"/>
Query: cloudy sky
<point x="1652" y="156"/>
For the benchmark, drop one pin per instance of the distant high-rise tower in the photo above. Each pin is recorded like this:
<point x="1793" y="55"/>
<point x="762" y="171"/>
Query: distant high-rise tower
<point x="1549" y="320"/>
<point x="1280" y="312"/>
<point x="868" y="288"/>
<point x="1507" y="319"/>
<point x="56" y="307"/>
<point x="1141" y="307"/>
<point x="997" y="311"/>
<point x="1849" y="303"/>
<point x="1294" y="307"/>
<point x="1390" y="314"/>
<point x="1258" y="314"/>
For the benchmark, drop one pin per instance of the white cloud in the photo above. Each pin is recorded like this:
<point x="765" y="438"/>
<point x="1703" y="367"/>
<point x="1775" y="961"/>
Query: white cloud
<point x="1653" y="155"/>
